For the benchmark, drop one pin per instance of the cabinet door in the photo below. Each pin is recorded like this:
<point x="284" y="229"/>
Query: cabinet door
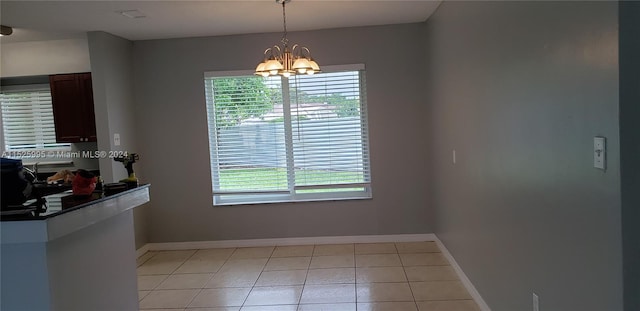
<point x="67" y="108"/>
<point x="89" y="112"/>
<point x="73" y="112"/>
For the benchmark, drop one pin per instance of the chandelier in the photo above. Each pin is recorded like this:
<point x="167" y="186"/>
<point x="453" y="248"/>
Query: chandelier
<point x="286" y="61"/>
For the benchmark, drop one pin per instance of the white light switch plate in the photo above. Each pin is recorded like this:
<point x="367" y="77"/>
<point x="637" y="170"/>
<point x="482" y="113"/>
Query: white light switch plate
<point x="536" y="302"/>
<point x="599" y="153"/>
<point x="116" y="139"/>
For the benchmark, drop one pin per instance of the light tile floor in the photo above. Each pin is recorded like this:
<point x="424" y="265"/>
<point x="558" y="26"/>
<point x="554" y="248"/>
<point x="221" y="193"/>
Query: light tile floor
<point x="344" y="277"/>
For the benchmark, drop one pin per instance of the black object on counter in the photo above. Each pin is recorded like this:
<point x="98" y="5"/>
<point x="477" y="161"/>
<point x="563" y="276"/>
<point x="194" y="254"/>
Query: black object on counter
<point x="15" y="187"/>
<point x="114" y="188"/>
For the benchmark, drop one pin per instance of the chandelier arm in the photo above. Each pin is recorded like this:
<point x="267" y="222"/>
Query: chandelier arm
<point x="276" y="52"/>
<point x="304" y="48"/>
<point x="268" y="50"/>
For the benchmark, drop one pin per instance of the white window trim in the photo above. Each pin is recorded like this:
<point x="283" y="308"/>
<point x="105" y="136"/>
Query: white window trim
<point x="290" y="195"/>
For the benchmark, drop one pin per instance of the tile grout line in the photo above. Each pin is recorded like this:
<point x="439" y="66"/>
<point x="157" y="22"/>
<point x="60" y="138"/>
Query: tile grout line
<point x="407" y="277"/>
<point x="154" y="254"/>
<point x="164" y="279"/>
<point x="355" y="276"/>
<point x="194" y="297"/>
<point x="205" y="284"/>
<point x="259" y="275"/>
<point x="306" y="276"/>
<point x="167" y="276"/>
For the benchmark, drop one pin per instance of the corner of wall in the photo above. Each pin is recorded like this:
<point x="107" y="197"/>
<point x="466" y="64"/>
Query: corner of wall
<point x="113" y="93"/>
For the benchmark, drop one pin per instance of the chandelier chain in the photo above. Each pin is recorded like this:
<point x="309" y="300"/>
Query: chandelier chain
<point x="284" y="22"/>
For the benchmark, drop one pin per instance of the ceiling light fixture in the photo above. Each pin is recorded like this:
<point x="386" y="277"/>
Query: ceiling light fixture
<point x="132" y="14"/>
<point x="284" y="61"/>
<point x="5" y="30"/>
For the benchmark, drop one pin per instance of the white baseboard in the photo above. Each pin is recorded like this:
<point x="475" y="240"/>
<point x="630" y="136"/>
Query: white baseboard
<point x="463" y="277"/>
<point x="286" y="241"/>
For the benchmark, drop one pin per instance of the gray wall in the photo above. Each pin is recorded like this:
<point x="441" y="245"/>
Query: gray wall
<point x="630" y="149"/>
<point x="519" y="90"/>
<point x="113" y="97"/>
<point x="174" y="150"/>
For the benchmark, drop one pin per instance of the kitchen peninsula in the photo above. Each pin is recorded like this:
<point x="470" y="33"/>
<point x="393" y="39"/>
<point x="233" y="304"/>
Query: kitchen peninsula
<point x="79" y="255"/>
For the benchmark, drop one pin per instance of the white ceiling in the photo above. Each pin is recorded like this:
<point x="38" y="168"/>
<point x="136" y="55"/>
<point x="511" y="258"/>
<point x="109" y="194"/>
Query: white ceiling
<point x="41" y="20"/>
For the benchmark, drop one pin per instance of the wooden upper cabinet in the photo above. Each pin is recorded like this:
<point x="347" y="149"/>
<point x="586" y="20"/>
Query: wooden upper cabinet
<point x="73" y="112"/>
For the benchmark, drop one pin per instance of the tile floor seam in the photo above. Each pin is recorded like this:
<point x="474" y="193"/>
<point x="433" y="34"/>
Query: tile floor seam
<point x="220" y="268"/>
<point x="415" y="302"/>
<point x="305" y="278"/>
<point x="163" y="279"/>
<point x="146" y="259"/>
<point x="182" y="263"/>
<point x="185" y="261"/>
<point x="207" y="282"/>
<point x="192" y="299"/>
<point x="355" y="276"/>
<point x="259" y="275"/>
<point x="252" y="287"/>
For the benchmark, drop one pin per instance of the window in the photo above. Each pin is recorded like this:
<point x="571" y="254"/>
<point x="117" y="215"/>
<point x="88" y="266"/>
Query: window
<point x="27" y="119"/>
<point x="281" y="140"/>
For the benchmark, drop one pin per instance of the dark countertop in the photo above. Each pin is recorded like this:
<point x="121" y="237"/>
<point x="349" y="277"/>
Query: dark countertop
<point x="64" y="202"/>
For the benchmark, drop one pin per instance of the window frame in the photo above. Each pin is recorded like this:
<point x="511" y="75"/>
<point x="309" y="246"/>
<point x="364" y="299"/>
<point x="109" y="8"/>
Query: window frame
<point x="292" y="194"/>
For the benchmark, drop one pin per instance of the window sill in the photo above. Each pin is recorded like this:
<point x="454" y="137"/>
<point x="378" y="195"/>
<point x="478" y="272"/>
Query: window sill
<point x="271" y="200"/>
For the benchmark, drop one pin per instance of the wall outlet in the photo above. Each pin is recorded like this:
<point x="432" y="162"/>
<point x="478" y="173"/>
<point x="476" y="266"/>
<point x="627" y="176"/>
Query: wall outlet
<point x="536" y="303"/>
<point x="116" y="139"/>
<point x="599" y="153"/>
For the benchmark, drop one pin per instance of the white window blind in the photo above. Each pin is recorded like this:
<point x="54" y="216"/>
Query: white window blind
<point x="328" y="132"/>
<point x="298" y="139"/>
<point x="27" y="120"/>
<point x="247" y="136"/>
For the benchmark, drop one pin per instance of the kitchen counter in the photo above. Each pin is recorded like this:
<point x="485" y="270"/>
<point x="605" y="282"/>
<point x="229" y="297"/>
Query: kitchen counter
<point x="64" y="202"/>
<point x="78" y="255"/>
<point x="67" y="213"/>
